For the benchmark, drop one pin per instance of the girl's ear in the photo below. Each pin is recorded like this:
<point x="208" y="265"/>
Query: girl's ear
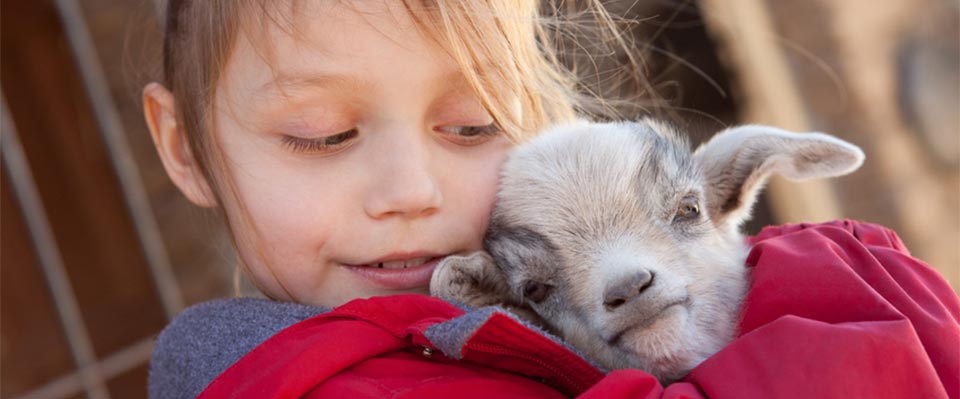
<point x="738" y="161"/>
<point x="172" y="145"/>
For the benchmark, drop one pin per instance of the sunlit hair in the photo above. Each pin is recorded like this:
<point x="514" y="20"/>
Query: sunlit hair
<point x="507" y="51"/>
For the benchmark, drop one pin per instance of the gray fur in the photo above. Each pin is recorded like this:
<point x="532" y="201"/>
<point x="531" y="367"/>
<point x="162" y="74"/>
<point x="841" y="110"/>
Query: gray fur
<point x="625" y="243"/>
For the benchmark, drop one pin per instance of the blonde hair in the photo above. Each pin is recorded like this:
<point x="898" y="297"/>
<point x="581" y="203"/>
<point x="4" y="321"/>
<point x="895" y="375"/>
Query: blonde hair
<point x="526" y="42"/>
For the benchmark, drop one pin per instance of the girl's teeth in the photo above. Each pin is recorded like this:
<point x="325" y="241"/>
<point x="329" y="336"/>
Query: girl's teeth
<point x="400" y="264"/>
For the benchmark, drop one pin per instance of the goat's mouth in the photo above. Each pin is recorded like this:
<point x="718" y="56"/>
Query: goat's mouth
<point x="645" y="323"/>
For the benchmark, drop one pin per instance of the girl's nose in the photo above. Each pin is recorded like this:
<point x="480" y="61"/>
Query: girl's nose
<point x="405" y="185"/>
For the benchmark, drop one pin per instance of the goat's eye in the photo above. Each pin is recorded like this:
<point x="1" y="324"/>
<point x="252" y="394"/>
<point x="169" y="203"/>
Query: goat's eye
<point x="535" y="291"/>
<point x="688" y="209"/>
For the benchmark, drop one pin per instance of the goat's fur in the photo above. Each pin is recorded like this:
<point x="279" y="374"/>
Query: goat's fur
<point x="625" y="243"/>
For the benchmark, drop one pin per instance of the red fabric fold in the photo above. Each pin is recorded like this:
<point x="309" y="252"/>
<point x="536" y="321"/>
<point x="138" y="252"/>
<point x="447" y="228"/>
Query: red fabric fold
<point x="376" y="348"/>
<point x="839" y="309"/>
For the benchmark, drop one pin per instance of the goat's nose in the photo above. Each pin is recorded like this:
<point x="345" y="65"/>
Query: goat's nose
<point x="623" y="291"/>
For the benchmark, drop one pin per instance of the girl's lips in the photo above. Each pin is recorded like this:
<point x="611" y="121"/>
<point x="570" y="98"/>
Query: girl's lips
<point x="397" y="279"/>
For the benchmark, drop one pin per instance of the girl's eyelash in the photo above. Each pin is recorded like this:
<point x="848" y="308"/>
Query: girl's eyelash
<point x="472" y="134"/>
<point x="322" y="144"/>
<point x="466" y="135"/>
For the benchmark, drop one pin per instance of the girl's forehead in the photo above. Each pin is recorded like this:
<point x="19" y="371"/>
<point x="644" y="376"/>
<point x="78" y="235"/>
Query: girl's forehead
<point x="347" y="67"/>
<point x="333" y="44"/>
<point x="337" y="29"/>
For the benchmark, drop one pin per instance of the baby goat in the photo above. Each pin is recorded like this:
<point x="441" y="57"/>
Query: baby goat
<point x="627" y="245"/>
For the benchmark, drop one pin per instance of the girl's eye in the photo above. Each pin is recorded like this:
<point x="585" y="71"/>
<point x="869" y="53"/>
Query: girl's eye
<point x="321" y="144"/>
<point x="469" y="135"/>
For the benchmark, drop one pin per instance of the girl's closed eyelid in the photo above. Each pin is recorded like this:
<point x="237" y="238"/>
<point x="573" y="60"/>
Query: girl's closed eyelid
<point x="319" y="125"/>
<point x="311" y="122"/>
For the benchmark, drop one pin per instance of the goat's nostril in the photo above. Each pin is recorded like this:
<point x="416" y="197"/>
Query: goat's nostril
<point x="627" y="289"/>
<point x="645" y="281"/>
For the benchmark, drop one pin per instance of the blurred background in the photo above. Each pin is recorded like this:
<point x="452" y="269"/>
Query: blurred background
<point x="99" y="249"/>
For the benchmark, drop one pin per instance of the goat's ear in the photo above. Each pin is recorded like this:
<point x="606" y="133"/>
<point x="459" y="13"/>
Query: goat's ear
<point x="738" y="161"/>
<point x="474" y="280"/>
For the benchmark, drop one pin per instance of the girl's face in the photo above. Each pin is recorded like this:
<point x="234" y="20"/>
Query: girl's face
<point x="361" y="155"/>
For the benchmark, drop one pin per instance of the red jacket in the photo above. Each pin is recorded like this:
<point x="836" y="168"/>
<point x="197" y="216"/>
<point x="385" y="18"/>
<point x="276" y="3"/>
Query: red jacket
<point x="835" y="310"/>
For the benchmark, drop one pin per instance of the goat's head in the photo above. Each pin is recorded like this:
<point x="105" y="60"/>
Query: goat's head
<point x="625" y="243"/>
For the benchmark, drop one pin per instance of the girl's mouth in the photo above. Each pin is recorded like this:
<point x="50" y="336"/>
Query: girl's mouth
<point x="402" y="264"/>
<point x="412" y="273"/>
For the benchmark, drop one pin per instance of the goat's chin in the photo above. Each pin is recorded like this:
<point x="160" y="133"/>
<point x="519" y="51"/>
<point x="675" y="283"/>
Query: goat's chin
<point x="667" y="349"/>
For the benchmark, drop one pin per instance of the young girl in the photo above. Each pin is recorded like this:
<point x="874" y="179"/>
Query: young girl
<point x="350" y="147"/>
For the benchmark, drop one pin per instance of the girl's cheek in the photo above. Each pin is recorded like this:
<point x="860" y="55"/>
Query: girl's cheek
<point x="287" y="221"/>
<point x="485" y="189"/>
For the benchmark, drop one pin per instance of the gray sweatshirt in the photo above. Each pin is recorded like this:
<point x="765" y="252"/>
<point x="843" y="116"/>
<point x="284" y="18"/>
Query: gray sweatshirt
<point x="205" y="339"/>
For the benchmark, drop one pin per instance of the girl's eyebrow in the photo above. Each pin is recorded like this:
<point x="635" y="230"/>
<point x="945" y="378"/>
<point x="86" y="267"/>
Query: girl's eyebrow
<point x="284" y="81"/>
<point x="294" y="81"/>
